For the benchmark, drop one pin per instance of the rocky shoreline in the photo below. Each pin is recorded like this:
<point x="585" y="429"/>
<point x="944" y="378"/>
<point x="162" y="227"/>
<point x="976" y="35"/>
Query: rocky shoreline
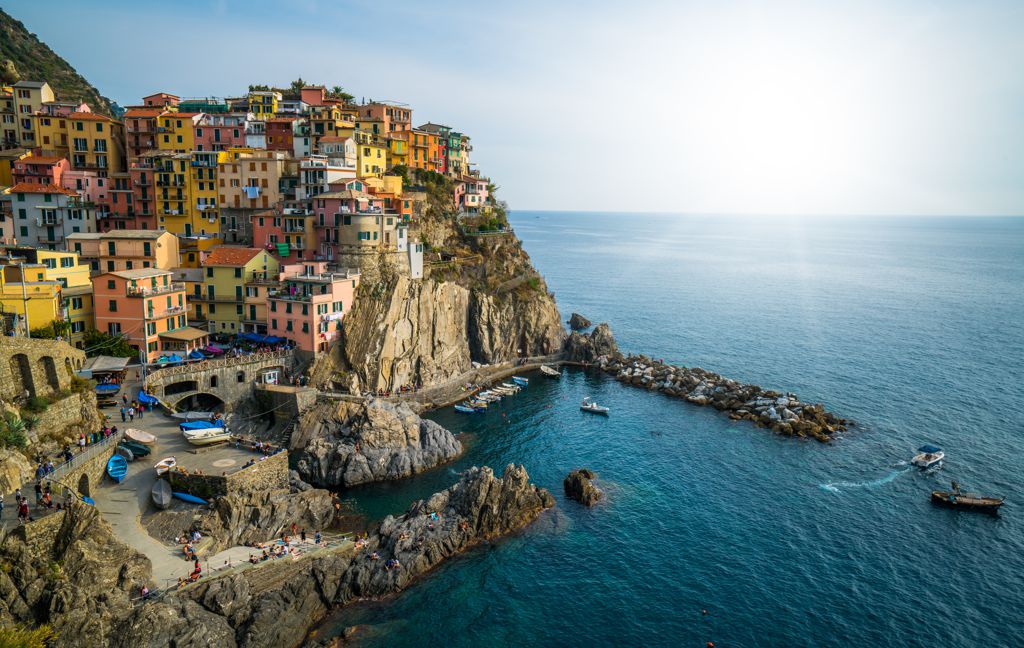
<point x="783" y="413"/>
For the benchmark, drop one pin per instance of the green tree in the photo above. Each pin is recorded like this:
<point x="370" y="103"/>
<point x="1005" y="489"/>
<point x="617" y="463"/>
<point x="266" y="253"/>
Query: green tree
<point x="295" y="91"/>
<point x="51" y="331"/>
<point x="337" y="92"/>
<point x="258" y="87"/>
<point x="12" y="433"/>
<point x="100" y="343"/>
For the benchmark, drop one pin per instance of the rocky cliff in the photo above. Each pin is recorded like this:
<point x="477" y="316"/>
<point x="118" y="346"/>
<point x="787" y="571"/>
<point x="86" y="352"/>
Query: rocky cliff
<point x="348" y="444"/>
<point x="254" y="517"/>
<point x="70" y="572"/>
<point x="480" y="301"/>
<point x="276" y="604"/>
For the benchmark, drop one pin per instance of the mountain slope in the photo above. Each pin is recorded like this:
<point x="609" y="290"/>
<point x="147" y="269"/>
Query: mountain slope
<point x="35" y="61"/>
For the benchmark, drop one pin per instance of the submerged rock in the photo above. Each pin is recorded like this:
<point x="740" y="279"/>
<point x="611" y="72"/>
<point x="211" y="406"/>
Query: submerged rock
<point x="577" y="322"/>
<point x="579" y="486"/>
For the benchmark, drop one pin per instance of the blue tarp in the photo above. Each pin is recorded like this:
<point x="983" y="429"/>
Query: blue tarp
<point x="108" y="389"/>
<point x="273" y="339"/>
<point x="146" y="399"/>
<point x="252" y="337"/>
<point x="196" y="355"/>
<point x="201" y="425"/>
<point x="929" y="448"/>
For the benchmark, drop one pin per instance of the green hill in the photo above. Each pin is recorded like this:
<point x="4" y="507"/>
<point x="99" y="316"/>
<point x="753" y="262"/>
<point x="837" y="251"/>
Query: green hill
<point x="24" y="56"/>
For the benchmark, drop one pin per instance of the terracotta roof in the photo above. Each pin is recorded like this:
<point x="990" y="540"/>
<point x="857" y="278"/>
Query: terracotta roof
<point x="348" y="194"/>
<point x="282" y="119"/>
<point x="41" y="159"/>
<point x="330" y="139"/>
<point x="25" y="187"/>
<point x="143" y="112"/>
<point x="89" y="117"/>
<point x="231" y="256"/>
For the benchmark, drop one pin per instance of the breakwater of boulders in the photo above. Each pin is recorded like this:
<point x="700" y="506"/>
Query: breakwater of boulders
<point x="783" y="413"/>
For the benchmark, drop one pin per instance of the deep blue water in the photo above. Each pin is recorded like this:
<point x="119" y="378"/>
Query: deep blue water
<point x="912" y="327"/>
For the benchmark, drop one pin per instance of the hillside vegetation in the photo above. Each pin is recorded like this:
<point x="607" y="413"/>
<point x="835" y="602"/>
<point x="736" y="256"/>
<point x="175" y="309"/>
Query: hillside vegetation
<point x="25" y="57"/>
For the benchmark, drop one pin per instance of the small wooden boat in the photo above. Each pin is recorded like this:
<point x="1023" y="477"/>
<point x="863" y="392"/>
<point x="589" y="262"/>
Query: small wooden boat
<point x="117" y="468"/>
<point x="161" y="494"/>
<point x="462" y="409"/>
<point x="522" y="382"/>
<point x="591" y="406"/>
<point x="208" y="437"/>
<point x="138" y="436"/>
<point x="968" y="501"/>
<point x="191" y="499"/>
<point x="128" y="455"/>
<point x="165" y="464"/>
<point x="512" y="386"/>
<point x="489" y="397"/>
<point x="137" y="449"/>
<point x="929" y="457"/>
<point x="548" y="372"/>
<point x="193" y="416"/>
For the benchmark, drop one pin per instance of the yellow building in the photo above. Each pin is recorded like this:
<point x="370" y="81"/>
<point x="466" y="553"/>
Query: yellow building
<point x="228" y="270"/>
<point x="328" y="121"/>
<point x="7" y="160"/>
<point x="203" y="179"/>
<point x="29" y="97"/>
<point x="398" y="149"/>
<point x="36" y="296"/>
<point x="177" y="131"/>
<point x="76" y="290"/>
<point x="194" y="250"/>
<point x="96" y="141"/>
<point x="263" y="103"/>
<point x="371" y="155"/>
<point x="177" y="203"/>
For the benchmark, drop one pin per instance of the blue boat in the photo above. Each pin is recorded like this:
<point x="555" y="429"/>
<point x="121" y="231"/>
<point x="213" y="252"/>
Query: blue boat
<point x="107" y="388"/>
<point x="90" y="501"/>
<point x="191" y="499"/>
<point x="522" y="382"/>
<point x="201" y="425"/>
<point x="117" y="468"/>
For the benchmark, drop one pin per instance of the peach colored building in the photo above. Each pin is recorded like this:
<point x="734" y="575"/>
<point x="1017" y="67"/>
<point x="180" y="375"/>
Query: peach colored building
<point x="40" y="169"/>
<point x="310" y="304"/>
<point x="142" y="305"/>
<point x="126" y="250"/>
<point x="251" y="179"/>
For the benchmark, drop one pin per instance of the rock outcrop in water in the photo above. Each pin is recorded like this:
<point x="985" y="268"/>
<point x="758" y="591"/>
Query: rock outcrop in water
<point x="69" y="571"/>
<point x="579" y="486"/>
<point x="577" y="322"/>
<point x="782" y="413"/>
<point x="349" y="444"/>
<point x="276" y="604"/>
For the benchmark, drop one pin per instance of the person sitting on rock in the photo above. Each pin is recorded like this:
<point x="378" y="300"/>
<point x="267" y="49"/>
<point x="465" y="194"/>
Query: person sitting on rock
<point x="375" y="556"/>
<point x="253" y="559"/>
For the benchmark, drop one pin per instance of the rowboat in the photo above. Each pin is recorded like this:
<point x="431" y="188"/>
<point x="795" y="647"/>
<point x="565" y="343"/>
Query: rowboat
<point x="161" y="494"/>
<point x="165" y="464"/>
<point x="591" y="406"/>
<point x="137" y="449"/>
<point x="117" y="468"/>
<point x="191" y="499"/>
<point x="512" y="386"/>
<point x="929" y="456"/>
<point x="522" y="382"/>
<point x="489" y="397"/>
<point x="201" y="432"/>
<point x="208" y="437"/>
<point x="504" y="391"/>
<point x="479" y="404"/>
<point x="138" y="436"/>
<point x="548" y="372"/>
<point x="193" y="416"/>
<point x="125" y="452"/>
<point x="968" y="501"/>
<point x="462" y="409"/>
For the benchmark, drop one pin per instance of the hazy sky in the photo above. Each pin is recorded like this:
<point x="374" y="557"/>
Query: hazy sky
<point x="890" y="107"/>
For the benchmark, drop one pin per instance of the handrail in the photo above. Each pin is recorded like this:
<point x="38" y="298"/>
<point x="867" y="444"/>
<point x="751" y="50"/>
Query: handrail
<point x="219" y="363"/>
<point x="89" y="452"/>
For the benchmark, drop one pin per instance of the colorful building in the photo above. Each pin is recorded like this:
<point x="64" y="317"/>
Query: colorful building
<point x="318" y="172"/>
<point x="40" y="170"/>
<point x="351" y="219"/>
<point x="44" y="215"/>
<point x="263" y="103"/>
<point x="141" y="130"/>
<point x="250" y="178"/>
<point x="280" y="133"/>
<point x="309" y="306"/>
<point x="371" y="155"/>
<point x="177" y="131"/>
<point x="29" y="97"/>
<point x="227" y="270"/>
<point x="163" y="100"/>
<point x="97" y="143"/>
<point x="118" y="250"/>
<point x="393" y="117"/>
<point x="219" y="132"/>
<point x="26" y="293"/>
<point x="287" y="232"/>
<point x="142" y="305"/>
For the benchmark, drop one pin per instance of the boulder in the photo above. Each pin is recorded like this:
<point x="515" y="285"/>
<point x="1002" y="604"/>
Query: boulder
<point x="579" y="486"/>
<point x="577" y="322"/>
<point x="600" y="343"/>
<point x="15" y="471"/>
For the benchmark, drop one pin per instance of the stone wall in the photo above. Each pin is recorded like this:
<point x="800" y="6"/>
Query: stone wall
<point x="229" y="379"/>
<point x="63" y="420"/>
<point x="268" y="475"/>
<point x="284" y="401"/>
<point x="40" y="535"/>
<point x="41" y="367"/>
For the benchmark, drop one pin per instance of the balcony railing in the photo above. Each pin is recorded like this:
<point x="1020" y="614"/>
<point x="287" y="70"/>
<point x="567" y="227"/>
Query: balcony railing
<point x="149" y="291"/>
<point x="166" y="312"/>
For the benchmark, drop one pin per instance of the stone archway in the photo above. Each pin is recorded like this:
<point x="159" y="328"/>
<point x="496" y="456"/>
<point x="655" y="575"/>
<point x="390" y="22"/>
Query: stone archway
<point x="49" y="372"/>
<point x="21" y="373"/>
<point x="83" y="485"/>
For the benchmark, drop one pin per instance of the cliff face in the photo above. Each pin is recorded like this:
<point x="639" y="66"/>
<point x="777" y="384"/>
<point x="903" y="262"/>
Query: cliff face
<point x="480" y="301"/>
<point x="346" y="445"/>
<point x="278" y="606"/>
<point x="74" y="575"/>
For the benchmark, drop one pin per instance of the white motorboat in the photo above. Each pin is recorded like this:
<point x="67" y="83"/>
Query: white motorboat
<point x="589" y="405"/>
<point x="548" y="372"/>
<point x="209" y="437"/>
<point x="202" y="432"/>
<point x="515" y="388"/>
<point x="929" y="457"/>
<point x="193" y="416"/>
<point x="165" y="464"/>
<point x="519" y="380"/>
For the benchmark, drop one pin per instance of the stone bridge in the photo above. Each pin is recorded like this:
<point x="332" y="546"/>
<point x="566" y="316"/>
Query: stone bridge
<point x="208" y="383"/>
<point x="36" y="367"/>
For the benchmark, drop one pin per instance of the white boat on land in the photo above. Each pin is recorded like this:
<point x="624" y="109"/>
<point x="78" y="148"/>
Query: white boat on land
<point x="209" y="437"/>
<point x="929" y="457"/>
<point x="202" y="432"/>
<point x="589" y="405"/>
<point x="138" y="436"/>
<point x="548" y="372"/>
<point x="165" y="464"/>
<point x="193" y="416"/>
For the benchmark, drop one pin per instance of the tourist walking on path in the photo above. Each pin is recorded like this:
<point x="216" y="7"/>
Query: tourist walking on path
<point x="131" y="414"/>
<point x="123" y="413"/>
<point x="23" y="511"/>
<point x="39" y="493"/>
<point x="140" y="410"/>
<point x="81" y="442"/>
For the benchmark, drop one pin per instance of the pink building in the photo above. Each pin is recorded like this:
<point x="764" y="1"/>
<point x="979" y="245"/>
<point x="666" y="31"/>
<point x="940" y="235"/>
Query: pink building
<point x="309" y="306"/>
<point x="471" y="194"/>
<point x="218" y="132"/>
<point x="40" y="169"/>
<point x="313" y="95"/>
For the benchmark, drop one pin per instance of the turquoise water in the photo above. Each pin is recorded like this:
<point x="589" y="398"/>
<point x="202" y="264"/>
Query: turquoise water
<point x="911" y="327"/>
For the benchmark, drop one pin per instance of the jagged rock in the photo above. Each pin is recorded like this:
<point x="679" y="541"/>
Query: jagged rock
<point x="257" y="517"/>
<point x="579" y="486"/>
<point x="600" y="343"/>
<point x="234" y="612"/>
<point x="382" y="441"/>
<point x="15" y="470"/>
<point x="577" y="322"/>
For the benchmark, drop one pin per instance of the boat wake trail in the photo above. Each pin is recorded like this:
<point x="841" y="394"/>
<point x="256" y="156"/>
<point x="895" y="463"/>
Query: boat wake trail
<point x="836" y="487"/>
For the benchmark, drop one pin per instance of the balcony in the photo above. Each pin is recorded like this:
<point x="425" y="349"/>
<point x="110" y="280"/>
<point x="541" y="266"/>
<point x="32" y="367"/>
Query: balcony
<point x="150" y="291"/>
<point x="46" y="221"/>
<point x="47" y="241"/>
<point x="166" y="312"/>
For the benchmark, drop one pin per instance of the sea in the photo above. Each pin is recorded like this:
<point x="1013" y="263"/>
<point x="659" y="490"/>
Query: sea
<point x="718" y="531"/>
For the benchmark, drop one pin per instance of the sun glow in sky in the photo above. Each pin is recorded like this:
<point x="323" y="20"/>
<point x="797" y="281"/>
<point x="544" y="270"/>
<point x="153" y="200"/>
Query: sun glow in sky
<point x="894" y="107"/>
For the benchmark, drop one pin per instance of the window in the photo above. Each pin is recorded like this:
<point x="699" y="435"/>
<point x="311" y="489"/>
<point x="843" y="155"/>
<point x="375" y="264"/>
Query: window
<point x="111" y="284"/>
<point x="238" y="293"/>
<point x="209" y="272"/>
<point x="238" y="309"/>
<point x="114" y="328"/>
<point x="146" y="249"/>
<point x="110" y="268"/>
<point x="111" y="248"/>
<point x="113" y="305"/>
<point x="151" y="328"/>
<point x="238" y="272"/>
<point x="213" y="381"/>
<point x="241" y="376"/>
<point x="22" y="215"/>
<point x="305" y="327"/>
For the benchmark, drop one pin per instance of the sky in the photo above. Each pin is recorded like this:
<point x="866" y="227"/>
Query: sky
<point x="827" y="107"/>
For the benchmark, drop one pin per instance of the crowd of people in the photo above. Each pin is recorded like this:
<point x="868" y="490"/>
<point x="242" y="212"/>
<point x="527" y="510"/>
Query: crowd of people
<point x="409" y="388"/>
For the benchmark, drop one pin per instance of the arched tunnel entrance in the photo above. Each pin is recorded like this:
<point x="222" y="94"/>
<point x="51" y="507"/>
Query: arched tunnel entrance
<point x="201" y="402"/>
